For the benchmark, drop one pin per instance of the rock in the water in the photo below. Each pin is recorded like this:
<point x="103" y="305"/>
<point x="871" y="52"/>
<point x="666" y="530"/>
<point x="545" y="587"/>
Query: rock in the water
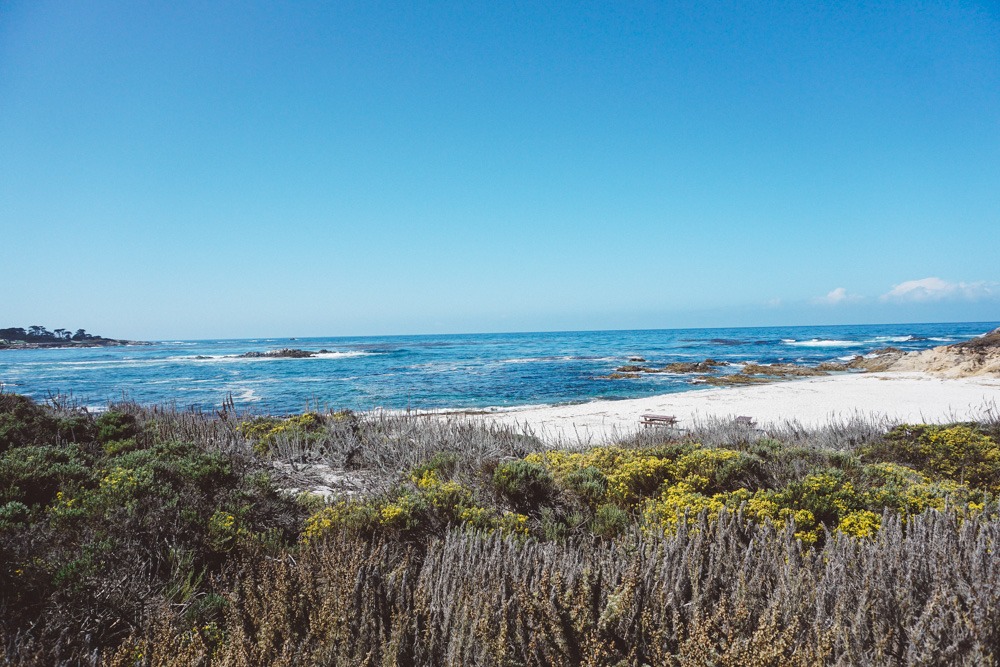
<point x="706" y="366"/>
<point x="634" y="369"/>
<point x="781" y="370"/>
<point x="286" y="353"/>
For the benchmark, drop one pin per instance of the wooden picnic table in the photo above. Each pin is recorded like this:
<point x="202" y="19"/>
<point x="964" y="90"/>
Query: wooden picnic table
<point x="658" y="420"/>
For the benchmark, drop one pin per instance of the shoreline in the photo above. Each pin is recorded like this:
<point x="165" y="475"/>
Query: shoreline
<point x="811" y="402"/>
<point x="21" y="345"/>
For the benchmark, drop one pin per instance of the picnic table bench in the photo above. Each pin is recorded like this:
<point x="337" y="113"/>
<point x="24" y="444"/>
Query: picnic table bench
<point x="658" y="420"/>
<point x="743" y="420"/>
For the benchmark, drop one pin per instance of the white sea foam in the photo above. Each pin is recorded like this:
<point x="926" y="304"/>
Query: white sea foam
<point x="891" y="339"/>
<point x="818" y="342"/>
<point x="566" y="357"/>
<point x="342" y="355"/>
<point x="198" y="357"/>
<point x="945" y="340"/>
<point x="248" y="396"/>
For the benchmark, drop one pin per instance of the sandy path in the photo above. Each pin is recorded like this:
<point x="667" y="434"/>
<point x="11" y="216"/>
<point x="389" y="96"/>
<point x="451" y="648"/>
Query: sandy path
<point x="911" y="397"/>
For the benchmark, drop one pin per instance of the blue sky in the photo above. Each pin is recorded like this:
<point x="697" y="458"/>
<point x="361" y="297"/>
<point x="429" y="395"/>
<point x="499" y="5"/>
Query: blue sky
<point x="244" y="169"/>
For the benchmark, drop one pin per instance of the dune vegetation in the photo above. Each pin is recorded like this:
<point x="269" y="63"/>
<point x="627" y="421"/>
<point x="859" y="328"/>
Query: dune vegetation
<point x="149" y="536"/>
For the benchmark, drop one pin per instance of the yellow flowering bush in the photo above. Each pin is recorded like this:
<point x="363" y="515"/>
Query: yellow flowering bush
<point x="958" y="453"/>
<point x="704" y="468"/>
<point x="862" y="523"/>
<point x="266" y="431"/>
<point x="120" y="482"/>
<point x="223" y="530"/>
<point x="355" y="516"/>
<point x="629" y="475"/>
<point x="679" y="501"/>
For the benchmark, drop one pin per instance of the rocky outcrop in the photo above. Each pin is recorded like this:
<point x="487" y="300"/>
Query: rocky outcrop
<point x="706" y="366"/>
<point x="286" y="353"/>
<point x="781" y="370"/>
<point x="978" y="356"/>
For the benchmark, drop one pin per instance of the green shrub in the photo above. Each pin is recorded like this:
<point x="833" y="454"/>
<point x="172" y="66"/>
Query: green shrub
<point x="267" y="432"/>
<point x="958" y="453"/>
<point x="113" y="425"/>
<point x="116" y="447"/>
<point x="23" y="422"/>
<point x="609" y="521"/>
<point x="713" y="471"/>
<point x="12" y="514"/>
<point x="442" y="464"/>
<point x="34" y="474"/>
<point x="589" y="483"/>
<point x="526" y="485"/>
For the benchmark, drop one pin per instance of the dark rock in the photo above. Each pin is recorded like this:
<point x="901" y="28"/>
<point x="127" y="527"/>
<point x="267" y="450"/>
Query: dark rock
<point x="634" y="369"/>
<point x="986" y="343"/>
<point x="706" y="366"/>
<point x="781" y="370"/>
<point x="286" y="353"/>
<point x="832" y="367"/>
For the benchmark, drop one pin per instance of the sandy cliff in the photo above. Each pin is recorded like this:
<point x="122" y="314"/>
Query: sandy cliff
<point x="979" y="356"/>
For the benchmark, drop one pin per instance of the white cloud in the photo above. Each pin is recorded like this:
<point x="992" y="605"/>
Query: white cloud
<point x="935" y="289"/>
<point x="837" y="296"/>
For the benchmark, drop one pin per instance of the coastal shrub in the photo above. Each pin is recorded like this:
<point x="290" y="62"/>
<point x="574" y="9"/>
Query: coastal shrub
<point x="629" y="474"/>
<point x="174" y="546"/>
<point x="427" y="506"/>
<point x="13" y="514"/>
<point x="609" y="521"/>
<point x="588" y="483"/>
<point x="712" y="470"/>
<point x="442" y="464"/>
<point x="727" y="592"/>
<point x="268" y="434"/>
<point x="678" y="503"/>
<point x="24" y="422"/>
<point x="89" y="530"/>
<point x="360" y="518"/>
<point x="113" y="425"/>
<point x="34" y="474"/>
<point x="959" y="453"/>
<point x="524" y="484"/>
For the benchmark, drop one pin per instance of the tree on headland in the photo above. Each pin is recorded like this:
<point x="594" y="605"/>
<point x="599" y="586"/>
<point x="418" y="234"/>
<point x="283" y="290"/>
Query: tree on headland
<point x="37" y="331"/>
<point x="13" y="333"/>
<point x="39" y="335"/>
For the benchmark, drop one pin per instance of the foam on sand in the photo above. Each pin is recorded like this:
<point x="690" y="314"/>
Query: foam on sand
<point x="906" y="397"/>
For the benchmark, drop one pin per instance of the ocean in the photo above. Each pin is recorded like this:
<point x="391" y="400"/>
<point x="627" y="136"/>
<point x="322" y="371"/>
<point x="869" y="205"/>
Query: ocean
<point x="468" y="371"/>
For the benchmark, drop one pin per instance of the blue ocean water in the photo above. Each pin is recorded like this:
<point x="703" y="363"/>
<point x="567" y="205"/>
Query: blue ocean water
<point x="438" y="371"/>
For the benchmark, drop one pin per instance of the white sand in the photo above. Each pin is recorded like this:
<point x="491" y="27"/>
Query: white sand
<point x="909" y="397"/>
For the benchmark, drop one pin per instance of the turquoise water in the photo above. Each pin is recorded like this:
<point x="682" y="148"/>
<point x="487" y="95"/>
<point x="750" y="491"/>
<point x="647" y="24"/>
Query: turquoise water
<point x="420" y="372"/>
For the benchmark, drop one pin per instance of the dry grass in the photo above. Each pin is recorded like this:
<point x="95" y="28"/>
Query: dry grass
<point x="725" y="593"/>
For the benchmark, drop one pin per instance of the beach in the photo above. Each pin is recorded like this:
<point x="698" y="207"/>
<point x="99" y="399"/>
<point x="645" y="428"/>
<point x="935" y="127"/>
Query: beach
<point x="913" y="397"/>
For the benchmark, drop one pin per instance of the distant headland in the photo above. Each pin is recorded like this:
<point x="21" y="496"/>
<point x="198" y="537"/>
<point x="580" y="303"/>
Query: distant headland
<point x="36" y="336"/>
